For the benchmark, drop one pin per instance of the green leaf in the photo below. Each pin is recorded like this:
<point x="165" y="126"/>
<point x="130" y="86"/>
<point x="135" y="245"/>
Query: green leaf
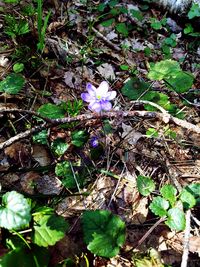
<point x="188" y="28"/>
<point x="134" y="88"/>
<point x="14" y="211"/>
<point x="163" y="69"/>
<point x="64" y="170"/>
<point x="169" y="193"/>
<point x="48" y="229"/>
<point x="52" y="111"/>
<point x="176" y="219"/>
<point x="145" y="185"/>
<point x="12" y="84"/>
<point x="194" y="11"/>
<point x="79" y="138"/>
<point x="41" y="137"/>
<point x="124" y="67"/>
<point x="59" y="146"/>
<point x="188" y="199"/>
<point x="180" y="82"/>
<point x="24" y="257"/>
<point x="159" y="206"/>
<point x="136" y="14"/>
<point x="151" y="132"/>
<point x="171" y="41"/>
<point x="108" y="22"/>
<point x="194" y="189"/>
<point x="61" y="169"/>
<point x="156" y="24"/>
<point x="104" y="232"/>
<point x="18" y="67"/>
<point x="122" y="28"/>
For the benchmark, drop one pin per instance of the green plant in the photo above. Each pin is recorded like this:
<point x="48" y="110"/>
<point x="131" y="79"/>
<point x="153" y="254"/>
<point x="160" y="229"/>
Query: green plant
<point x="170" y="205"/>
<point x="15" y="27"/>
<point x="156" y="24"/>
<point x="170" y="72"/>
<point x="41" y="27"/>
<point x="47" y="229"/>
<point x="12" y="84"/>
<point x="104" y="232"/>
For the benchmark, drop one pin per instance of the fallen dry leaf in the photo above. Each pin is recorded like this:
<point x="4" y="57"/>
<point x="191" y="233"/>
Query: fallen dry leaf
<point x="41" y="155"/>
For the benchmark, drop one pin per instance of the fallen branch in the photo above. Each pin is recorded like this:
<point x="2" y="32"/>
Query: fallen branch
<point x="108" y="42"/>
<point x="186" y="242"/>
<point x="165" y="117"/>
<point x="21" y="136"/>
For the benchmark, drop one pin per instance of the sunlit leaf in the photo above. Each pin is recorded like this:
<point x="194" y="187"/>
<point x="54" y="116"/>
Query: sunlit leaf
<point x="159" y="206"/>
<point x="163" y="69"/>
<point x="14" y="211"/>
<point x="169" y="193"/>
<point x="145" y="185"/>
<point x="188" y="199"/>
<point x="59" y="146"/>
<point x="48" y="229"/>
<point x="175" y="219"/>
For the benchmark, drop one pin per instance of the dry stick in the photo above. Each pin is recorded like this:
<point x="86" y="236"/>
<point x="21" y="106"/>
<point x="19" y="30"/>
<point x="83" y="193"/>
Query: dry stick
<point x="108" y="42"/>
<point x="90" y="116"/>
<point x="21" y="136"/>
<point x="162" y="219"/>
<point x="186" y="241"/>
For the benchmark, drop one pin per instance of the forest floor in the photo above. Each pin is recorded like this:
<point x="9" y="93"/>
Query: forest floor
<point x="57" y="152"/>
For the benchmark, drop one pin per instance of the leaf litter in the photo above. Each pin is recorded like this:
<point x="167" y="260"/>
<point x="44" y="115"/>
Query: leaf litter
<point x="125" y="151"/>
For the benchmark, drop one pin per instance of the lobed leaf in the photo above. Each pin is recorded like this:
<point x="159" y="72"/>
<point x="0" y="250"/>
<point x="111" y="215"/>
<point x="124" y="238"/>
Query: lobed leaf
<point x="104" y="232"/>
<point x="159" y="206"/>
<point x="145" y="185"/>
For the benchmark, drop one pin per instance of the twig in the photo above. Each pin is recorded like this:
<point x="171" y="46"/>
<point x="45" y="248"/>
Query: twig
<point x="108" y="42"/>
<point x="186" y="242"/>
<point x="162" y="219"/>
<point x="21" y="136"/>
<point x="89" y="116"/>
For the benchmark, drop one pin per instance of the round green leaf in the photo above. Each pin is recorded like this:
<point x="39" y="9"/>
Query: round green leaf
<point x="18" y="67"/>
<point x="159" y="206"/>
<point x="52" y="111"/>
<point x="12" y="84"/>
<point x="176" y="219"/>
<point x="104" y="232"/>
<point x="180" y="82"/>
<point x="134" y="88"/>
<point x="14" y="211"/>
<point x="48" y="229"/>
<point x="145" y="185"/>
<point x="188" y="199"/>
<point x="169" y="192"/>
<point x="163" y="69"/>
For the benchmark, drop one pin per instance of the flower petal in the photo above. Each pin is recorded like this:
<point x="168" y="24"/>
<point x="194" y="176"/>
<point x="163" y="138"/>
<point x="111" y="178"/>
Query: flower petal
<point x="106" y="105"/>
<point x="87" y="97"/>
<point x="111" y="95"/>
<point x="91" y="89"/>
<point x="102" y="89"/>
<point x="95" y="106"/>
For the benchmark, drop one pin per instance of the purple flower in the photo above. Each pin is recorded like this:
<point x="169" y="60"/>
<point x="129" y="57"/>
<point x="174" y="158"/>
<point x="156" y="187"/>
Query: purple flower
<point x="99" y="98"/>
<point x="94" y="142"/>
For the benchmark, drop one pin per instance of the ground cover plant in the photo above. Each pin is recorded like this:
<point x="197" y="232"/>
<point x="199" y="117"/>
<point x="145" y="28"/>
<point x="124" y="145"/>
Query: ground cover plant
<point x="99" y="134"/>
